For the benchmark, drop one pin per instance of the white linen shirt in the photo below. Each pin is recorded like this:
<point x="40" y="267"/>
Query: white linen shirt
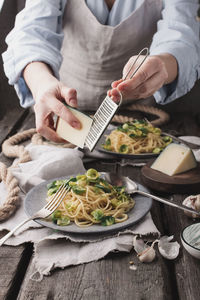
<point x="37" y="36"/>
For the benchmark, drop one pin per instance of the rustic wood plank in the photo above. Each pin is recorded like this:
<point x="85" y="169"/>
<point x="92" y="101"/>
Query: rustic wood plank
<point x="88" y="289"/>
<point x="109" y="278"/>
<point x="9" y="260"/>
<point x="14" y="260"/>
<point x="184" y="272"/>
<point x="186" y="268"/>
<point x="10" y="110"/>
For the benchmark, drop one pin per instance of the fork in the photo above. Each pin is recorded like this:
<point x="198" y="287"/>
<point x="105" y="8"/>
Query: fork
<point x="180" y="140"/>
<point x="44" y="212"/>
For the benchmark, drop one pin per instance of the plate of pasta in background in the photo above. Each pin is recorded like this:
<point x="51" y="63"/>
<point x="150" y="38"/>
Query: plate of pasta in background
<point x="135" y="139"/>
<point x="91" y="205"/>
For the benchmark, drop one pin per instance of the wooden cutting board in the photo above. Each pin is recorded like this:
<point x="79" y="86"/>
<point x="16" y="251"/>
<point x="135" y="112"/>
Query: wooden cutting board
<point x="184" y="183"/>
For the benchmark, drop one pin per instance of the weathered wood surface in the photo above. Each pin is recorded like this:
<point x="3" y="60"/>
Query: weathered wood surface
<point x="10" y="111"/>
<point x="110" y="278"/>
<point x="13" y="261"/>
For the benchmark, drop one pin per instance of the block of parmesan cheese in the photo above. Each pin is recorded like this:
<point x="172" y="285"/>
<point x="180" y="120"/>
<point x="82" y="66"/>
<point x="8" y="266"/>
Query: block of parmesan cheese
<point x="73" y="135"/>
<point x="175" y="159"/>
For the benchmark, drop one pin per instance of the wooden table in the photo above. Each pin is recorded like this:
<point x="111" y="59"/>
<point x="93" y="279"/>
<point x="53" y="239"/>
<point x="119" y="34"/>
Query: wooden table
<point x="109" y="278"/>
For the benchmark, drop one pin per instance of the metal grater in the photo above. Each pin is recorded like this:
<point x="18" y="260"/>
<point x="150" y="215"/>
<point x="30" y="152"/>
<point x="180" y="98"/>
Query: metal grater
<point x="101" y="119"/>
<point x="107" y="109"/>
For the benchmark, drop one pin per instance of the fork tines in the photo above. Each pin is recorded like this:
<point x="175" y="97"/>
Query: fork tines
<point x="57" y="198"/>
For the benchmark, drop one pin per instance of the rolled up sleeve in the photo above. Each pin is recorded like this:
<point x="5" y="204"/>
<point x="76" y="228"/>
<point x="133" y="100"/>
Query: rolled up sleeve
<point x="178" y="35"/>
<point x="37" y="36"/>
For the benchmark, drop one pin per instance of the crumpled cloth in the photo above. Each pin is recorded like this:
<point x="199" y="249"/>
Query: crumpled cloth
<point x="194" y="140"/>
<point x="54" y="249"/>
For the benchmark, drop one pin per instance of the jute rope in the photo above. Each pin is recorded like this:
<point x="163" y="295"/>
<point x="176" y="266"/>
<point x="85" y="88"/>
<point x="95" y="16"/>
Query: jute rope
<point x="37" y="139"/>
<point x="162" y="117"/>
<point x="12" y="200"/>
<point x="12" y="148"/>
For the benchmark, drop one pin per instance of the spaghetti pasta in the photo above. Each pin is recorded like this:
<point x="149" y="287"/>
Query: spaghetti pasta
<point x="135" y="137"/>
<point x="91" y="200"/>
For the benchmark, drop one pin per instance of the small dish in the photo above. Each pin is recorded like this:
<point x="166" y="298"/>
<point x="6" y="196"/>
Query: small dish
<point x="190" y="238"/>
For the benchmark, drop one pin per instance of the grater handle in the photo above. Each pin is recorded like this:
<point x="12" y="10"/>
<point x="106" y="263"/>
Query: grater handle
<point x="146" y="50"/>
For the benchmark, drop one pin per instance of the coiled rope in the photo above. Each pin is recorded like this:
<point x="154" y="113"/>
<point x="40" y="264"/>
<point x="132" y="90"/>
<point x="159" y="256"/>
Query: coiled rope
<point x="11" y="148"/>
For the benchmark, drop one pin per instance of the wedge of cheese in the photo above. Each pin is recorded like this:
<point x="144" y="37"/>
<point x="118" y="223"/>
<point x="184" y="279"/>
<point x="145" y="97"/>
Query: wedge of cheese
<point x="175" y="159"/>
<point x="73" y="135"/>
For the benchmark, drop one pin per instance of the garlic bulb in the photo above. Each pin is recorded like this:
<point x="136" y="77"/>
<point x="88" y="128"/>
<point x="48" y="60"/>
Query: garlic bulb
<point x="192" y="202"/>
<point x="148" y="255"/>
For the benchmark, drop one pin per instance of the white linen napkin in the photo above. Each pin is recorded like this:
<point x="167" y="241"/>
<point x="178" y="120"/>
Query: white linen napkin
<point x="56" y="249"/>
<point x="194" y="140"/>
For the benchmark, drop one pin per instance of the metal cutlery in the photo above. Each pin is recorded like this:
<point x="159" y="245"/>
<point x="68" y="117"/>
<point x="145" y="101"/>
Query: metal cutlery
<point x="44" y="212"/>
<point x="131" y="188"/>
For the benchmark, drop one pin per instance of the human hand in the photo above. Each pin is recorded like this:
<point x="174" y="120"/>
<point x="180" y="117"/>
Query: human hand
<point x="156" y="71"/>
<point x="50" y="97"/>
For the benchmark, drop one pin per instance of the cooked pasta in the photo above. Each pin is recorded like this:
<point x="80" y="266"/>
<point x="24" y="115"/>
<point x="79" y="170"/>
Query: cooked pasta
<point x="90" y="200"/>
<point x="136" y="137"/>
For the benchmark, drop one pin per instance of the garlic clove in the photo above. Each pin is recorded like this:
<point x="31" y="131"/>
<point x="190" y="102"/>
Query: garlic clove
<point x="145" y="253"/>
<point x="148" y="255"/>
<point x="168" y="249"/>
<point x="192" y="201"/>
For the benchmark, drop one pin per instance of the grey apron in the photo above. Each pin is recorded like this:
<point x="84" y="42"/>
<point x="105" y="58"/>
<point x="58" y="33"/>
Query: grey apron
<point x="94" y="54"/>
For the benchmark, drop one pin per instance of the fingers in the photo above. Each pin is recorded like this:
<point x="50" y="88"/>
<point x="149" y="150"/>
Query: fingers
<point x="149" y="87"/>
<point x="151" y="66"/>
<point x="115" y="95"/>
<point x="49" y="102"/>
<point x="149" y="78"/>
<point x="144" y="90"/>
<point x="50" y="134"/>
<point x="45" y="127"/>
<point x="63" y="112"/>
<point x="44" y="120"/>
<point x="116" y="83"/>
<point x="69" y="95"/>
